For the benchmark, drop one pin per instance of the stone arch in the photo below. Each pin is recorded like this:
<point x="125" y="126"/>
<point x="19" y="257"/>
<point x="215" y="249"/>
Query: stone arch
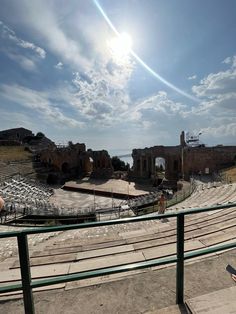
<point x="88" y="165"/>
<point x="159" y="170"/>
<point x="144" y="162"/>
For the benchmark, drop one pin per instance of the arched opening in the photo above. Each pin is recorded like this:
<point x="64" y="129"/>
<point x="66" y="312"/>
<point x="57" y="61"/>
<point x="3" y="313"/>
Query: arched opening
<point x="160" y="168"/>
<point x="65" y="167"/>
<point x="88" y="164"/>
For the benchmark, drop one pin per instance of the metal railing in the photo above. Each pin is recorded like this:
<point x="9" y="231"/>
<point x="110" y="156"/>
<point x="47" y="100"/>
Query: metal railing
<point x="27" y="284"/>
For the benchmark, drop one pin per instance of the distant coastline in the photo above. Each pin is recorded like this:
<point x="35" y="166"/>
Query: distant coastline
<point x="123" y="154"/>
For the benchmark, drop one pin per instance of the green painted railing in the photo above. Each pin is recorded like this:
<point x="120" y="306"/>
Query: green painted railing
<point x="27" y="284"/>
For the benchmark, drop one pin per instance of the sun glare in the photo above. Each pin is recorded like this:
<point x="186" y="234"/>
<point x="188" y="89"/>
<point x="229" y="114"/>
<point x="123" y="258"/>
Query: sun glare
<point x="120" y="46"/>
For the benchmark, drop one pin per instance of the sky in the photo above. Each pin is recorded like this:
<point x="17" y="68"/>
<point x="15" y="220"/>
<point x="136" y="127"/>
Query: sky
<point x="119" y="75"/>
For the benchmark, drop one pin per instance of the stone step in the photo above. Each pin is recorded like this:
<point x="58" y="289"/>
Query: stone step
<point x="107" y="261"/>
<point x="37" y="272"/>
<point x="218" y="302"/>
<point x="81" y="254"/>
<point x="174" y="309"/>
<point x="46" y="260"/>
<point x="170" y="249"/>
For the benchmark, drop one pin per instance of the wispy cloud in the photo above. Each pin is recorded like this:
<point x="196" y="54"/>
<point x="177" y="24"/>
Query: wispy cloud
<point x="58" y="39"/>
<point x="193" y="77"/>
<point x="8" y="33"/>
<point x="217" y="111"/>
<point x="59" y="65"/>
<point x="38" y="102"/>
<point x="223" y="130"/>
<point x="24" y="62"/>
<point x="158" y="107"/>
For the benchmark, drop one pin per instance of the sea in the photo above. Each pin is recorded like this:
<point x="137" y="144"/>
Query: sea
<point x="123" y="154"/>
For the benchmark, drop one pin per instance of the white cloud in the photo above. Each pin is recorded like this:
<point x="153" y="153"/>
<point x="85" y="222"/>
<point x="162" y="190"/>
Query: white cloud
<point x="59" y="65"/>
<point x="101" y="95"/>
<point x="220" y="131"/>
<point x="193" y="77"/>
<point x="227" y="60"/>
<point x="216" y="84"/>
<point x="24" y="44"/>
<point x="158" y="104"/>
<point x="216" y="114"/>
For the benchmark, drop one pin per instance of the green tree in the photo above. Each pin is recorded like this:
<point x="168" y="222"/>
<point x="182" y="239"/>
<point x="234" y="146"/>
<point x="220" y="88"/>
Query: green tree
<point x="118" y="164"/>
<point x="40" y="135"/>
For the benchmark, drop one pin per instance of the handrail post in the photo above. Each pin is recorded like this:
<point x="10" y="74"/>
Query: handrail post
<point x="180" y="260"/>
<point x="25" y="273"/>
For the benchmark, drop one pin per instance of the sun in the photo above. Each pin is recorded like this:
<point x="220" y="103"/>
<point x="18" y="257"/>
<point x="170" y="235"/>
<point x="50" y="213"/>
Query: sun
<point x="120" y="46"/>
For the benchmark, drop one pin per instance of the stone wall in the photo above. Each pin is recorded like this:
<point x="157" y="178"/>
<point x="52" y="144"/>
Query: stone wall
<point x="64" y="159"/>
<point x="17" y="134"/>
<point x="182" y="161"/>
<point x="101" y="164"/>
<point x="144" y="161"/>
<point x="204" y="160"/>
<point x="75" y="161"/>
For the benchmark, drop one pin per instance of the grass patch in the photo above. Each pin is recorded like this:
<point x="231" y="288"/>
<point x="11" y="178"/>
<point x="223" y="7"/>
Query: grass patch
<point x="14" y="153"/>
<point x="229" y="174"/>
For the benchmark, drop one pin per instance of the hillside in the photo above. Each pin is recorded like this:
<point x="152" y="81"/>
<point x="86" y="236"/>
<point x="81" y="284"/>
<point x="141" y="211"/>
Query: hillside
<point x="14" y="153"/>
<point x="15" y="160"/>
<point x="229" y="174"/>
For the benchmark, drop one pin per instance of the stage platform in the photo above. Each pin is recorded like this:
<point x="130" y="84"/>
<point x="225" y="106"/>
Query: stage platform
<point x="111" y="188"/>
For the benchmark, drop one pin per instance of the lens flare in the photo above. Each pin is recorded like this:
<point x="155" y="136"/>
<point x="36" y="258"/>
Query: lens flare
<point x="141" y="62"/>
<point x="120" y="46"/>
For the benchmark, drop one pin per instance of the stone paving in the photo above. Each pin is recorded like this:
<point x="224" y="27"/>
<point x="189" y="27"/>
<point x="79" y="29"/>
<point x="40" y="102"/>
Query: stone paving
<point x="82" y="201"/>
<point x="113" y="186"/>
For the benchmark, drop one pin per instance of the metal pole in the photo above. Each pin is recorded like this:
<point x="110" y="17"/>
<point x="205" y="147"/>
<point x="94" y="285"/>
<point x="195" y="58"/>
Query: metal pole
<point x="180" y="260"/>
<point x="25" y="273"/>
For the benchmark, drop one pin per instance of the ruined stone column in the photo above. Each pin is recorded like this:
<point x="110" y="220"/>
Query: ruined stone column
<point x="141" y="166"/>
<point x="147" y="164"/>
<point x="153" y="165"/>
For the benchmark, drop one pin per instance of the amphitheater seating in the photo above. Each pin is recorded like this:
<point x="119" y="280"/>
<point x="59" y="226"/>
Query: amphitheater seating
<point x="12" y="168"/>
<point x="23" y="196"/>
<point x="209" y="195"/>
<point x="144" y="199"/>
<point x="87" y="249"/>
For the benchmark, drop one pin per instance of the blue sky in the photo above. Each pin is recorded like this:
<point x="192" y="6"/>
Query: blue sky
<point x="61" y="72"/>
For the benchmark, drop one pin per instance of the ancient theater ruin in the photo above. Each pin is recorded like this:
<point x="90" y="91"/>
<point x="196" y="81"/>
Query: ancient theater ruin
<point x="183" y="160"/>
